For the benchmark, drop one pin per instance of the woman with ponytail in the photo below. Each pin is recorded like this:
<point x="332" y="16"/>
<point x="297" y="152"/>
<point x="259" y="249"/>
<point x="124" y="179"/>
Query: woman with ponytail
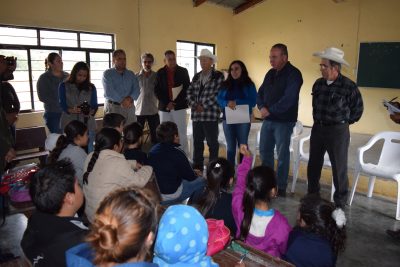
<point x="106" y="169"/>
<point x="122" y="232"/>
<point x="319" y="235"/>
<point x="71" y="146"/>
<point x="259" y="225"/>
<point x="216" y="200"/>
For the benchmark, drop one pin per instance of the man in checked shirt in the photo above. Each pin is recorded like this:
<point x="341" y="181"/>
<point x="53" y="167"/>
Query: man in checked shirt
<point x="337" y="103"/>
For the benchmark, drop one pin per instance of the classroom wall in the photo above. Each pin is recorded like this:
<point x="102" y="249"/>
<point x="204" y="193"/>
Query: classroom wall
<point x="138" y="25"/>
<point x="307" y="26"/>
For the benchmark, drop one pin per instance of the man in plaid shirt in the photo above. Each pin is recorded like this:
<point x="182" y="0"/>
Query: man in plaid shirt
<point x="337" y="103"/>
<point x="202" y="99"/>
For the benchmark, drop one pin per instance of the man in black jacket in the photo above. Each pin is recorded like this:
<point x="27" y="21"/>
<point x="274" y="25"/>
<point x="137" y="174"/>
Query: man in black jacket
<point x="53" y="229"/>
<point x="172" y="83"/>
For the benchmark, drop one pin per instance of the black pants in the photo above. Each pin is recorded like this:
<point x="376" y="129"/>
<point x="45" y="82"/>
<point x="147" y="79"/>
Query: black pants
<point x="335" y="140"/>
<point x="153" y="121"/>
<point x="204" y="130"/>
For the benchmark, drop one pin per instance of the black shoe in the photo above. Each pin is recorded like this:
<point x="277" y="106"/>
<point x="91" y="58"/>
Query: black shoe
<point x="394" y="234"/>
<point x="281" y="192"/>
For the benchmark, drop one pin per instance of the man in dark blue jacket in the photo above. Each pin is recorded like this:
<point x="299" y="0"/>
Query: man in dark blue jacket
<point x="277" y="100"/>
<point x="175" y="177"/>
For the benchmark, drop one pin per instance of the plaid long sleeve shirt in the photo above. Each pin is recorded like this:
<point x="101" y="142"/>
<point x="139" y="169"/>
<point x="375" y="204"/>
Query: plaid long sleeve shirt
<point x="338" y="102"/>
<point x="206" y="95"/>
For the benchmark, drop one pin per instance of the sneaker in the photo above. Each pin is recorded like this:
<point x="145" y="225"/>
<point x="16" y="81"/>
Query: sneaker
<point x="281" y="192"/>
<point x="394" y="234"/>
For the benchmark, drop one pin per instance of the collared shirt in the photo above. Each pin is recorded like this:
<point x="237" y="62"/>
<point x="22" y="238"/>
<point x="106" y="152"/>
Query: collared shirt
<point x="147" y="102"/>
<point x="117" y="85"/>
<point x="279" y="93"/>
<point x="206" y="95"/>
<point x="338" y="102"/>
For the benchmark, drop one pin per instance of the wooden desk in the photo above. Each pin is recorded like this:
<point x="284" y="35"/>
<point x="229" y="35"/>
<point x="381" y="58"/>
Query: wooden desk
<point x="255" y="258"/>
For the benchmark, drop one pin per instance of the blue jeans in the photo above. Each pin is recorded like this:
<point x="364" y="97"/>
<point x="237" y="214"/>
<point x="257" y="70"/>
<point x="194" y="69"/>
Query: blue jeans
<point x="92" y="136"/>
<point x="190" y="188"/>
<point x="52" y="120"/>
<point x="235" y="134"/>
<point x="276" y="134"/>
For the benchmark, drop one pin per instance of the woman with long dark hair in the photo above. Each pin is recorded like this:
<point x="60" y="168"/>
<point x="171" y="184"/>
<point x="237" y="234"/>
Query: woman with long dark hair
<point x="216" y="200"/>
<point x="319" y="236"/>
<point x="70" y="145"/>
<point x="78" y="99"/>
<point x="258" y="225"/>
<point x="106" y="169"/>
<point x="238" y="89"/>
<point x="47" y="90"/>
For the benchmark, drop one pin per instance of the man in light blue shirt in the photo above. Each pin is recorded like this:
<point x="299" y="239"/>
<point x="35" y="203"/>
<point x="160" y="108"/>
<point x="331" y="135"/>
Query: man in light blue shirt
<point x="121" y="88"/>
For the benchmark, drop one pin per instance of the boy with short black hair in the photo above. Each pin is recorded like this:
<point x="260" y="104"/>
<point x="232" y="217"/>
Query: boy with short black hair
<point x="175" y="177"/>
<point x="53" y="229"/>
<point x="114" y="120"/>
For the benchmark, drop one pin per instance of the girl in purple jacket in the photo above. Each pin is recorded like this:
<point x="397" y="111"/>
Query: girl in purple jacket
<point x="257" y="224"/>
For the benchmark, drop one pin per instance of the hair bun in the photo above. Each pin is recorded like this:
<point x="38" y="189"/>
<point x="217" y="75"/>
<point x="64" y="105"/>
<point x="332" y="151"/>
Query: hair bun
<point x="339" y="217"/>
<point x="107" y="237"/>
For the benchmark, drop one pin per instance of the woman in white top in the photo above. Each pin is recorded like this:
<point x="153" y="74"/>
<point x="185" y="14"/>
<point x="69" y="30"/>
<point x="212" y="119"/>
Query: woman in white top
<point x="107" y="170"/>
<point x="70" y="145"/>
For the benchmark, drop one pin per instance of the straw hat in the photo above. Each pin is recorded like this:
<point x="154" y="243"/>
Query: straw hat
<point x="334" y="54"/>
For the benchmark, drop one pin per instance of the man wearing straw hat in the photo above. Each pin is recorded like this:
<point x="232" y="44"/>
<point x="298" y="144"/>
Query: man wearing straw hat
<point x="202" y="98"/>
<point x="337" y="103"/>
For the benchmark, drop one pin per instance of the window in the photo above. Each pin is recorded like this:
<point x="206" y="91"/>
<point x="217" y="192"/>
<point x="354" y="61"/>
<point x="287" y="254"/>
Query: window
<point x="32" y="45"/>
<point x="187" y="53"/>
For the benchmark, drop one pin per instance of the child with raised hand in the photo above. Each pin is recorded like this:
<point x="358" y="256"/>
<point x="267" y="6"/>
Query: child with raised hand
<point x="216" y="200"/>
<point x="258" y="224"/>
<point x="132" y="143"/>
<point x="318" y="238"/>
<point x="122" y="232"/>
<point x="70" y="145"/>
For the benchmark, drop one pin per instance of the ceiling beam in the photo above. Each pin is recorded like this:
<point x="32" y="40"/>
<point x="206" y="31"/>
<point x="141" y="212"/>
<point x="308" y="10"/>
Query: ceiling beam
<point x="246" y="5"/>
<point x="196" y="3"/>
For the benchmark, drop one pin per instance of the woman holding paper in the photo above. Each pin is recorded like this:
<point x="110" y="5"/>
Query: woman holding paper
<point x="237" y="92"/>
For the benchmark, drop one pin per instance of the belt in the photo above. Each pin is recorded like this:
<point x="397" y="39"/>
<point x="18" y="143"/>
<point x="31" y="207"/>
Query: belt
<point x="113" y="103"/>
<point x="327" y="123"/>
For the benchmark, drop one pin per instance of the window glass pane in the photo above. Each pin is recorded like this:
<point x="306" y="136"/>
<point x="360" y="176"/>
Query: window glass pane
<point x="96" y="41"/>
<point x="21" y="77"/>
<point x="10" y="35"/>
<point x="38" y="68"/>
<point x="185" y="57"/>
<point x="70" y="58"/>
<point x="99" y="62"/>
<point x="58" y="38"/>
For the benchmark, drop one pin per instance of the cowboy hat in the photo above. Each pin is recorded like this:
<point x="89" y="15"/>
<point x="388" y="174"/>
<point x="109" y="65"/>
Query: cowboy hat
<point x="207" y="53"/>
<point x="334" y="54"/>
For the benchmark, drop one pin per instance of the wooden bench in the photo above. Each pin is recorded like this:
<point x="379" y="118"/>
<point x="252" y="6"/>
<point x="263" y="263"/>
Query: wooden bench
<point x="32" y="138"/>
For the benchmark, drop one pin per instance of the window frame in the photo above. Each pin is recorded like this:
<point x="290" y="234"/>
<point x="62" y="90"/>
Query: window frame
<point x="28" y="49"/>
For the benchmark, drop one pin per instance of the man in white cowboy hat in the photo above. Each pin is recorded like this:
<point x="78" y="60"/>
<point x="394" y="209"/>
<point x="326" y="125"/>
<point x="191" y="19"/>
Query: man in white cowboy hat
<point x="337" y="103"/>
<point x="278" y="102"/>
<point x="173" y="107"/>
<point x="202" y="98"/>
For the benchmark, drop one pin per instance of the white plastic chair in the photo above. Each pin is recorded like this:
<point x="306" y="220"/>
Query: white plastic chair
<point x="301" y="155"/>
<point x="388" y="166"/>
<point x="297" y="131"/>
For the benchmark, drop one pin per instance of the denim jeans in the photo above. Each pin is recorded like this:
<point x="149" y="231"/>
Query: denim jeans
<point x="276" y="134"/>
<point x="235" y="134"/>
<point x="92" y="137"/>
<point x="52" y="120"/>
<point x="190" y="188"/>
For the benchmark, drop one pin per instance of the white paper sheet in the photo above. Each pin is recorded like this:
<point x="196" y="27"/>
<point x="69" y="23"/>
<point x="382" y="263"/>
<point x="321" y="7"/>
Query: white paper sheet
<point x="176" y="91"/>
<point x="391" y="108"/>
<point x="239" y="115"/>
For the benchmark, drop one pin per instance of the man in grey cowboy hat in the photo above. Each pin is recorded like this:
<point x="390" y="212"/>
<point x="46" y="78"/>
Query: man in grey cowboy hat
<point x="202" y="99"/>
<point x="337" y="103"/>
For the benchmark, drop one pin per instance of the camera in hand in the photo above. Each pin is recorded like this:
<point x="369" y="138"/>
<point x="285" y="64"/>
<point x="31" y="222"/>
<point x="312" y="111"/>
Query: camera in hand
<point x="85" y="108"/>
